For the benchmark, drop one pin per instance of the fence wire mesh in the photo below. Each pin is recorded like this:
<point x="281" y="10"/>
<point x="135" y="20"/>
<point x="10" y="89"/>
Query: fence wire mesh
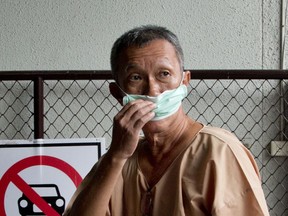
<point x="255" y="110"/>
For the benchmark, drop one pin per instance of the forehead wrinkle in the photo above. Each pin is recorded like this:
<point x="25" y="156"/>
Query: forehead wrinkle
<point x="161" y="63"/>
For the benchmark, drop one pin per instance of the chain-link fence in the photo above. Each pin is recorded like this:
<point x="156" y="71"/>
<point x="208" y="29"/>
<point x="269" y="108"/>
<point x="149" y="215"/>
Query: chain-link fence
<point x="255" y="109"/>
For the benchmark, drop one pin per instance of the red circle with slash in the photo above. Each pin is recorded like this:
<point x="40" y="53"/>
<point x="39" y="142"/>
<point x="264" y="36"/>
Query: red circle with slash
<point x="12" y="175"/>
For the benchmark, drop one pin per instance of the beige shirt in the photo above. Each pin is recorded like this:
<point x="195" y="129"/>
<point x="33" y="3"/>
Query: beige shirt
<point x="215" y="175"/>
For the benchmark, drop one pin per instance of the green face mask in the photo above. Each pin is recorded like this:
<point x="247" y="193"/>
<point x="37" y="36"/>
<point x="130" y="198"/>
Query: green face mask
<point x="167" y="102"/>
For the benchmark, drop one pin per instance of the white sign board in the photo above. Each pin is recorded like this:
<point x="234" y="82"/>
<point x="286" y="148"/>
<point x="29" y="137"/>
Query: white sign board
<point x="40" y="177"/>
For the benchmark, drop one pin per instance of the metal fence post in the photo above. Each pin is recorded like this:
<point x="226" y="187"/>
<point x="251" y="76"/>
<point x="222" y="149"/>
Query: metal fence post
<point x="38" y="108"/>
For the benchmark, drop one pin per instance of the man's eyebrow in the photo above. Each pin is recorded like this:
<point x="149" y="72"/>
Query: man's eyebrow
<point x="131" y="66"/>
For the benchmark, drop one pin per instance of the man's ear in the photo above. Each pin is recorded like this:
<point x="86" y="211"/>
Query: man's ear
<point x="187" y="77"/>
<point x="116" y="92"/>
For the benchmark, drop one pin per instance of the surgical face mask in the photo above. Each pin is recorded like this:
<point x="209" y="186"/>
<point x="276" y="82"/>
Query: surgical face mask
<point x="167" y="102"/>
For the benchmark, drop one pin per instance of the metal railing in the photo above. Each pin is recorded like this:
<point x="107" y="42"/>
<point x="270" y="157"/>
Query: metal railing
<point x="253" y="104"/>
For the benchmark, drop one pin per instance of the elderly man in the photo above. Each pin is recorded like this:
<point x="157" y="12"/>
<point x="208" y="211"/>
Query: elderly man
<point x="180" y="166"/>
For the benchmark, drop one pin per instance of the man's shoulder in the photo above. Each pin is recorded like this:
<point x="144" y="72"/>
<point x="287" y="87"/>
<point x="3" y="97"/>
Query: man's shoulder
<point x="219" y="133"/>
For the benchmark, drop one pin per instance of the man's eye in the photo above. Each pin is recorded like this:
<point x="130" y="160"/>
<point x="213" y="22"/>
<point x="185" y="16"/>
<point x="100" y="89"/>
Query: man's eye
<point x="135" y="77"/>
<point x="164" y="74"/>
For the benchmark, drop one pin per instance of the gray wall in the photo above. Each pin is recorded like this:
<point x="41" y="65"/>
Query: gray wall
<point x="215" y="34"/>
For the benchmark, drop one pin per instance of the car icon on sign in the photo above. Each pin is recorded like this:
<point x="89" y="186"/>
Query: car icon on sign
<point x="49" y="192"/>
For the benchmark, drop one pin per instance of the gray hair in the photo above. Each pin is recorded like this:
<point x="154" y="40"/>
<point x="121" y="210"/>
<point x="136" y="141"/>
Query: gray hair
<point x="140" y="37"/>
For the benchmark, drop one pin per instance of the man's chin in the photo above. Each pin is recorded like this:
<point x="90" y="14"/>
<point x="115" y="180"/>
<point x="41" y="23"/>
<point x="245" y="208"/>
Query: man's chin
<point x="155" y="125"/>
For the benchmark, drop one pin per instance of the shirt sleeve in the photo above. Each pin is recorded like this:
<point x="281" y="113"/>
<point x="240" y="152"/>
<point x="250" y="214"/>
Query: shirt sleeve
<point x="232" y="180"/>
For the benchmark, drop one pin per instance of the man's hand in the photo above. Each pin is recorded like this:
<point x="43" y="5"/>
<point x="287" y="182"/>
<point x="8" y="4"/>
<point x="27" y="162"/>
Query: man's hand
<point x="127" y="126"/>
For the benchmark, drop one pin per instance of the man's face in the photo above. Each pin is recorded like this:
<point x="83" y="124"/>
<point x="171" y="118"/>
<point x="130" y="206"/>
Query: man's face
<point x="149" y="70"/>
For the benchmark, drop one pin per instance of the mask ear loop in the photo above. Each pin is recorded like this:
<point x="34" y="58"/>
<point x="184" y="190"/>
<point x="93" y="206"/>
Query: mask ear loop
<point x="123" y="92"/>
<point x="181" y="82"/>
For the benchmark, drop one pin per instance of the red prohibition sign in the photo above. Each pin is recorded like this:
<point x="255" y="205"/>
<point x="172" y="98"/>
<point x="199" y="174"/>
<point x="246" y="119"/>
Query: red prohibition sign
<point x="11" y="175"/>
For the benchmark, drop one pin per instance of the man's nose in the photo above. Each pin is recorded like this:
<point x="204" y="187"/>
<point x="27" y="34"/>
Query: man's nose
<point x="152" y="88"/>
